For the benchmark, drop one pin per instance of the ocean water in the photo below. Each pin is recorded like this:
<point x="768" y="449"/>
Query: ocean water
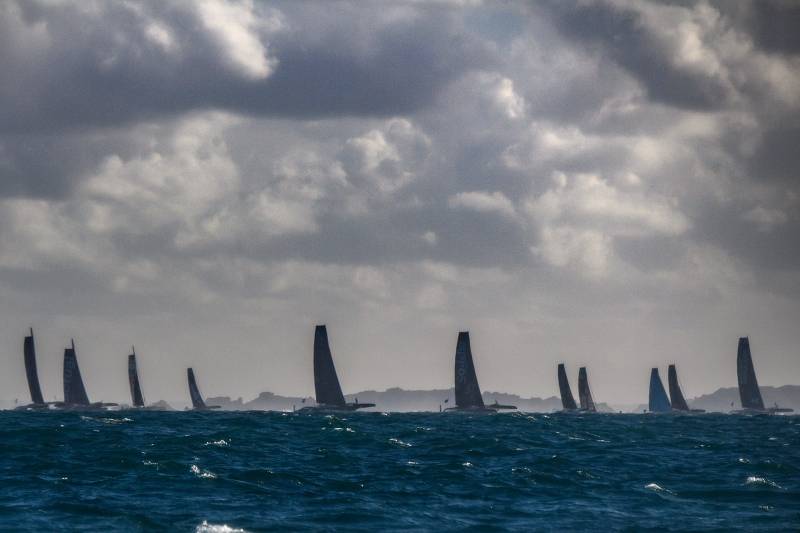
<point x="253" y="471"/>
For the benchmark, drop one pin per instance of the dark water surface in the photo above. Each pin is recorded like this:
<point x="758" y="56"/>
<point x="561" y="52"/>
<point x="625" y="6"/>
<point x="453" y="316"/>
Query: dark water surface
<point x="369" y="472"/>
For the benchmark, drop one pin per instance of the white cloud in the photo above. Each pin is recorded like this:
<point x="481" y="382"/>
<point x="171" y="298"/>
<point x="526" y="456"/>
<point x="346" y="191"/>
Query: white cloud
<point x="483" y="202"/>
<point x="234" y="25"/>
<point x="580" y="215"/>
<point x="386" y="158"/>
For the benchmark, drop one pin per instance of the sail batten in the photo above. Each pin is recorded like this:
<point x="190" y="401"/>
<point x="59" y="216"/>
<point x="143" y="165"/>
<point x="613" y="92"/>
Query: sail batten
<point x="74" y="390"/>
<point x="29" y="350"/>
<point x="194" y="392"/>
<point x="584" y="394"/>
<point x="658" y="401"/>
<point x="567" y="400"/>
<point x="327" y="389"/>
<point x="467" y="390"/>
<point x="678" y="402"/>
<point x="137" y="398"/>
<point x="749" y="392"/>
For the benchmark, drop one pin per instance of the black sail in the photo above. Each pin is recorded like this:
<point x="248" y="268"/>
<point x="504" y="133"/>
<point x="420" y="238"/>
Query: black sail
<point x="567" y="400"/>
<point x="194" y="392"/>
<point x="468" y="392"/>
<point x="675" y="393"/>
<point x="30" y="370"/>
<point x="74" y="391"/>
<point x="584" y="394"/>
<point x="326" y="382"/>
<point x="133" y="378"/>
<point x="749" y="392"/>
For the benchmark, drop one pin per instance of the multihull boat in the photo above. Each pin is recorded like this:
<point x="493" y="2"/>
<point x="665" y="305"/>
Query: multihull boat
<point x="327" y="390"/>
<point x="198" y="403"/>
<point x="677" y="401"/>
<point x="467" y="391"/>
<point x="658" y="400"/>
<point x="584" y="394"/>
<point x="749" y="391"/>
<point x="567" y="400"/>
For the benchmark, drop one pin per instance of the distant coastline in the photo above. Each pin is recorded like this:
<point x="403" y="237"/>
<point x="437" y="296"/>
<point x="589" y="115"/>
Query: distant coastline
<point x="396" y="399"/>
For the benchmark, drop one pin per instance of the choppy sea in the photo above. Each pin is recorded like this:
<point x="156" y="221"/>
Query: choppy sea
<point x="253" y="471"/>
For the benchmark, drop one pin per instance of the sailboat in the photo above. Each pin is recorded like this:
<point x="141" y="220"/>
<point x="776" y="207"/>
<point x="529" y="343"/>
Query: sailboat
<point x="567" y="400"/>
<point x="658" y="401"/>
<point x="75" y="396"/>
<point x="29" y="352"/>
<point x="584" y="394"/>
<point x="137" y="399"/>
<point x="749" y="392"/>
<point x="198" y="403"/>
<point x="468" y="392"/>
<point x="327" y="389"/>
<point x="678" y="402"/>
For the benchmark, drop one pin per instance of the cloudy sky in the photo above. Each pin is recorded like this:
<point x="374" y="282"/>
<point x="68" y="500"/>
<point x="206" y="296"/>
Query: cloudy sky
<point x="603" y="183"/>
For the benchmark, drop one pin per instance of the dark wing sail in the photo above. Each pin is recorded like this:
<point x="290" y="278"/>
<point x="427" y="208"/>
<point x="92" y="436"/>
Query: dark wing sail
<point x="584" y="394"/>
<point x="30" y="370"/>
<point x="567" y="400"/>
<point x="194" y="392"/>
<point x="749" y="392"/>
<point x="74" y="391"/>
<point x="675" y="393"/>
<point x="326" y="383"/>
<point x="133" y="379"/>
<point x="468" y="392"/>
<point x="659" y="402"/>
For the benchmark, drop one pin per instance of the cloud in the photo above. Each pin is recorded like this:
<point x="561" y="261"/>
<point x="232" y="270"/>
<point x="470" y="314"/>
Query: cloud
<point x="483" y="202"/>
<point x="539" y="174"/>
<point x="108" y="64"/>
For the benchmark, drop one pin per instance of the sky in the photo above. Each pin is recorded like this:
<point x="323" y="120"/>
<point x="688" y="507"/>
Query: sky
<point x="605" y="183"/>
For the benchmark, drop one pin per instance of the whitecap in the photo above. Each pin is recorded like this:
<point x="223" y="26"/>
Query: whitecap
<point x="220" y="442"/>
<point x="205" y="474"/>
<point x="205" y="527"/>
<point x="744" y="461"/>
<point x="758" y="480"/>
<point x="400" y="443"/>
<point x="655" y="487"/>
<point x="467" y="464"/>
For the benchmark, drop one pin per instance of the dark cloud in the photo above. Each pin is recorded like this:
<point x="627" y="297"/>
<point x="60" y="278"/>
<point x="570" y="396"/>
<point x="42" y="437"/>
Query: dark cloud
<point x="622" y="34"/>
<point x="82" y="68"/>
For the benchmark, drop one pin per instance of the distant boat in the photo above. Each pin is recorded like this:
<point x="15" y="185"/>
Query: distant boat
<point x="75" y="396"/>
<point x="467" y="390"/>
<point x="658" y="402"/>
<point x="137" y="399"/>
<point x="584" y="394"/>
<point x="749" y="392"/>
<point x="567" y="400"/>
<point x="328" y="391"/>
<point x="678" y="402"/>
<point x="29" y="353"/>
<point x="198" y="404"/>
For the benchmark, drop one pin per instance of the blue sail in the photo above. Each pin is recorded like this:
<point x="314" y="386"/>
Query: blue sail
<point x="659" y="401"/>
